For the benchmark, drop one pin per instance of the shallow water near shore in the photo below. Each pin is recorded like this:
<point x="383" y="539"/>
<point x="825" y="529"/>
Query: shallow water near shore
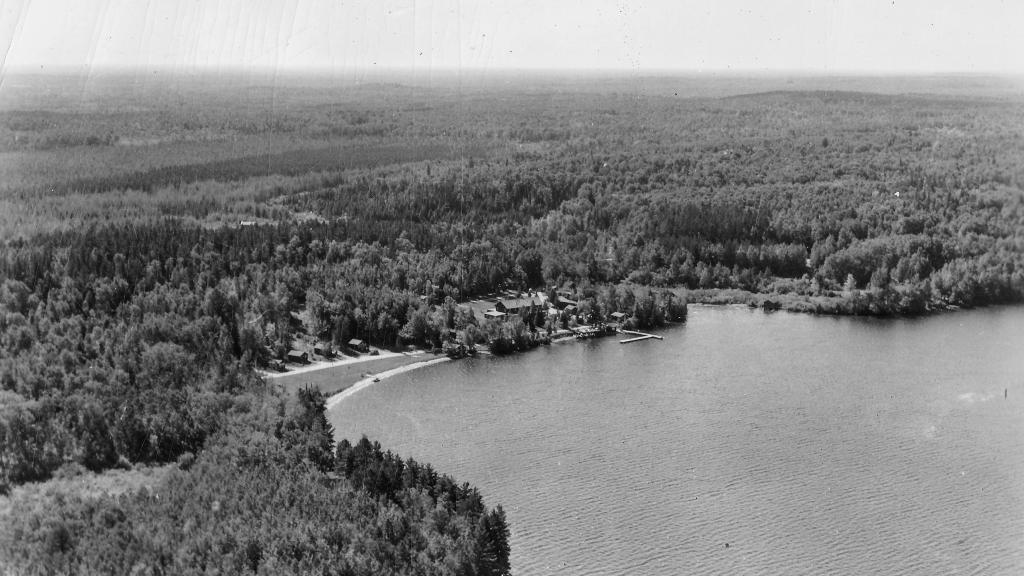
<point x="744" y="443"/>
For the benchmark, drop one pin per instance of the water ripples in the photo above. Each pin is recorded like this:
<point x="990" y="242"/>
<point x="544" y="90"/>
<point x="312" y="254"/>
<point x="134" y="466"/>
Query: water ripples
<point x="678" y="457"/>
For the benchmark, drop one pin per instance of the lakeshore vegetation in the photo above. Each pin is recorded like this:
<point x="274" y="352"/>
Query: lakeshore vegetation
<point x="161" y="241"/>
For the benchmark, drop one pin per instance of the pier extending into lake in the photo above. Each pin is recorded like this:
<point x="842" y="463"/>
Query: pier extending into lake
<point x="638" y="336"/>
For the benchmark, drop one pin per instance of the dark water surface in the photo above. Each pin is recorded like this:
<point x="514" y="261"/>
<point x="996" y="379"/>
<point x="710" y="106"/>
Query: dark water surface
<point x="809" y="445"/>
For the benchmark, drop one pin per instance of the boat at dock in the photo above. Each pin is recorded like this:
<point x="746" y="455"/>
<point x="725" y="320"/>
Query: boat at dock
<point x="593" y="331"/>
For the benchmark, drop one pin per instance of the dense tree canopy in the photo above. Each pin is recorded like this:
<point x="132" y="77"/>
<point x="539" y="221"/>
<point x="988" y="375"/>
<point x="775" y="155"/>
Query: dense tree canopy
<point x="154" y="252"/>
<point x="265" y="499"/>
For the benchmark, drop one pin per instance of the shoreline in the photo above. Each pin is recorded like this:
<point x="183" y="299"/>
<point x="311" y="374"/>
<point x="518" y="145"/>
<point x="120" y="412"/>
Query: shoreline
<point x="368" y="379"/>
<point x="860" y="304"/>
<point x="339" y="397"/>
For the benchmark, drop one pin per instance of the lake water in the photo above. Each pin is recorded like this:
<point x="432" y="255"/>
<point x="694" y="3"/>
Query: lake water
<point x="744" y="443"/>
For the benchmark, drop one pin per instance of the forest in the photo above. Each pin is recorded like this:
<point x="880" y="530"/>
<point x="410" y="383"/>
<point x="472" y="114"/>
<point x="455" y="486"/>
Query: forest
<point x="271" y="497"/>
<point x="160" y="243"/>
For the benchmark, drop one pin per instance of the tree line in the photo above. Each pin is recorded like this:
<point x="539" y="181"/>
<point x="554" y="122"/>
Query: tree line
<point x="135" y="306"/>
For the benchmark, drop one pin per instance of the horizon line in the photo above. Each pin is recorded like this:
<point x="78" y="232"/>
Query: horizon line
<point x="64" y="70"/>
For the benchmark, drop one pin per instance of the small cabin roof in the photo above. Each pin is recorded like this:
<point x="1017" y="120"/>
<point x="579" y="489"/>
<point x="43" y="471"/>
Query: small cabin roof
<point x="355" y="342"/>
<point x="618" y="315"/>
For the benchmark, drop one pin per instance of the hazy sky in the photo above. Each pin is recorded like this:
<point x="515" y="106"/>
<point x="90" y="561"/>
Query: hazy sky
<point x="346" y="36"/>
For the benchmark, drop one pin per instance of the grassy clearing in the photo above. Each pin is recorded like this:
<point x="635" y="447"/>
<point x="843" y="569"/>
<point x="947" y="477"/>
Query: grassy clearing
<point x="76" y="481"/>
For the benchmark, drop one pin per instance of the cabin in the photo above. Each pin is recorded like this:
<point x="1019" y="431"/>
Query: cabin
<point x="358" y="345"/>
<point x="514" y="305"/>
<point x="562" y="303"/>
<point x="297" y="357"/>
<point x="618" y="316"/>
<point x="324" y="350"/>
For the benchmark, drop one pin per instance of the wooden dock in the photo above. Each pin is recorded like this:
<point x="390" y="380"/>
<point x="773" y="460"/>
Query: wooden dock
<point x="637" y="339"/>
<point x="638" y="336"/>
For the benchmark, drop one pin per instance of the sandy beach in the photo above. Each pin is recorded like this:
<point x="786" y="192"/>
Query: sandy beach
<point x="370" y="380"/>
